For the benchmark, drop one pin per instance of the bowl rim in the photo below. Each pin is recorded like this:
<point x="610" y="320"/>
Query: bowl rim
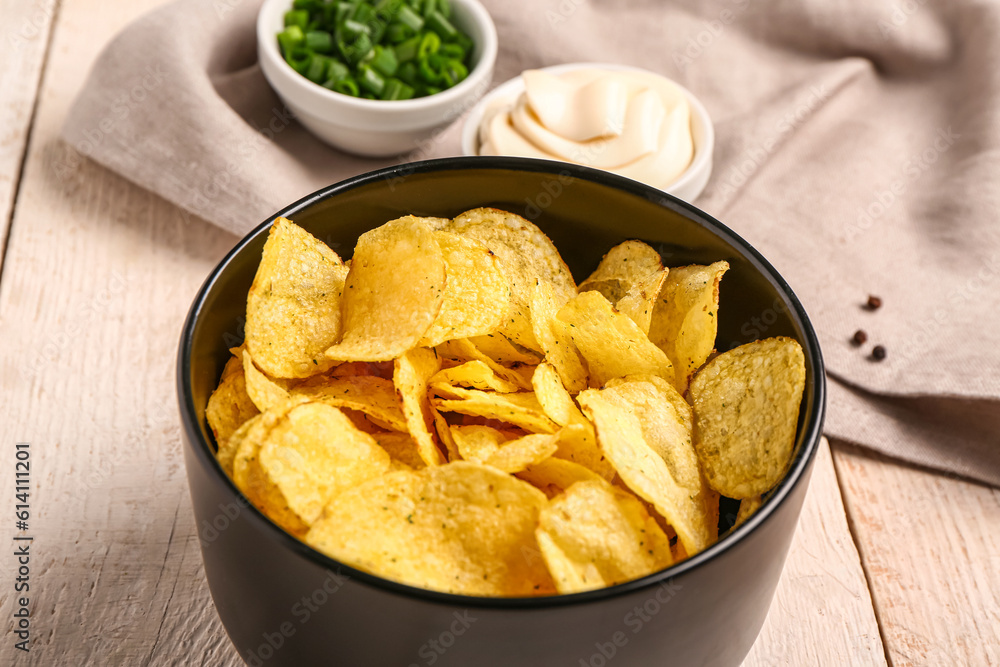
<point x="701" y="162"/>
<point x="268" y="44"/>
<point x="811" y="428"/>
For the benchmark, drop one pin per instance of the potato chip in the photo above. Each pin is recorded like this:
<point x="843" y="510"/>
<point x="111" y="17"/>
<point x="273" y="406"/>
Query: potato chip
<point x="521" y="409"/>
<point x="477" y="294"/>
<point x="619" y="433"/>
<point x="502" y="351"/>
<point x="553" y="336"/>
<point x="489" y="446"/>
<point x="748" y="506"/>
<point x="684" y="320"/>
<point x="622" y="268"/>
<point x="226" y="453"/>
<point x="553" y="475"/>
<point x="401" y="448"/>
<point x="462" y="350"/>
<point x="458" y="528"/>
<point x="525" y="254"/>
<point x="640" y="300"/>
<point x="371" y="395"/>
<point x="264" y="391"/>
<point x="746" y="409"/>
<point x="413" y="369"/>
<point x="293" y="308"/>
<point x="611" y="343"/>
<point x="314" y="453"/>
<point x="594" y="536"/>
<point x="229" y="406"/>
<point x="394" y="291"/>
<point x="443" y="430"/>
<point x="474" y="374"/>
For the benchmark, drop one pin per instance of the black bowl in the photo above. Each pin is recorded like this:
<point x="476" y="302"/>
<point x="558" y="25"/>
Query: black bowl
<point x="283" y="603"/>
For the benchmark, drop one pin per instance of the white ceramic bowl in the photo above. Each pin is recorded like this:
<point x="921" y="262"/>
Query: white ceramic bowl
<point x="690" y="183"/>
<point x="376" y="127"/>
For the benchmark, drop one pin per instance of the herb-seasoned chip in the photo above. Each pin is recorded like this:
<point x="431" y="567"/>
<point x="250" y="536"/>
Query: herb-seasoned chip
<point x="623" y="267"/>
<point x="488" y="446"/>
<point x="640" y="300"/>
<point x="459" y="528"/>
<point x="553" y="476"/>
<point x="394" y="291"/>
<point x="612" y="344"/>
<point x="499" y="349"/>
<point x="619" y="433"/>
<point x="229" y="406"/>
<point x="314" y="453"/>
<point x="594" y="536"/>
<point x="462" y="350"/>
<point x="555" y="340"/>
<point x="526" y="254"/>
<point x="521" y="409"/>
<point x="477" y="294"/>
<point x="685" y="318"/>
<point x="413" y="369"/>
<point x="293" y="308"/>
<point x="264" y="391"/>
<point x="746" y="409"/>
<point x="475" y="374"/>
<point x="369" y="394"/>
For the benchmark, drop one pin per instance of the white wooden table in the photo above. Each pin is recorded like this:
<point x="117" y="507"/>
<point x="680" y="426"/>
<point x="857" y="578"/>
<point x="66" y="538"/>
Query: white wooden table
<point x="891" y="564"/>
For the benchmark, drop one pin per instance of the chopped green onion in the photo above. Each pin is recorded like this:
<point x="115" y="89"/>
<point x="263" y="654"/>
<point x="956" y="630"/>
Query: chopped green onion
<point x="385" y="60"/>
<point x="442" y="26"/>
<point x="298" y="18"/>
<point x="452" y="51"/>
<point x="396" y="90"/>
<point x="407" y="50"/>
<point x="318" y="68"/>
<point x="410" y="18"/>
<point x="290" y="38"/>
<point x="444" y="6"/>
<point x="429" y="44"/>
<point x="371" y="80"/>
<point x="407" y="73"/>
<point x="428" y="8"/>
<point x="347" y="86"/>
<point x="319" y="41"/>
<point x="397" y="32"/>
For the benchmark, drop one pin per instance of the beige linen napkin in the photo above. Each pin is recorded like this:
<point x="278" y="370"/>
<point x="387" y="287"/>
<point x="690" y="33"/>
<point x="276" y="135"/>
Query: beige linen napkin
<point x="857" y="149"/>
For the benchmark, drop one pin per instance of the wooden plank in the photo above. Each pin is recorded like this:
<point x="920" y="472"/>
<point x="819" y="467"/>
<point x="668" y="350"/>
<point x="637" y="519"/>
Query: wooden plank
<point x="930" y="545"/>
<point x="822" y="612"/>
<point x="24" y="39"/>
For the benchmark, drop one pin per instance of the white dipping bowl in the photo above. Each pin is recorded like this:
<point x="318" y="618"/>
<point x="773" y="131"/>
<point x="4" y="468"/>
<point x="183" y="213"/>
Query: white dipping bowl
<point x="376" y="128"/>
<point x="687" y="186"/>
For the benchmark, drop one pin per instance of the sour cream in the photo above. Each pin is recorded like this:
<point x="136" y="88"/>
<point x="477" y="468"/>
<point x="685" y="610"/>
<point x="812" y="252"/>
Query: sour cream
<point x="633" y="123"/>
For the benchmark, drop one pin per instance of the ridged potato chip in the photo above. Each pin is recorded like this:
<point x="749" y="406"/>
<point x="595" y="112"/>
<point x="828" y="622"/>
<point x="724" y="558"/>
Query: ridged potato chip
<point x="554" y="337"/>
<point x="610" y="342"/>
<point x="622" y="268"/>
<point x="293" y="308"/>
<point x="619" y="433"/>
<point x="594" y="535"/>
<point x="374" y="396"/>
<point x="526" y="254"/>
<point x="684" y="323"/>
<point x="640" y="300"/>
<point x="413" y="370"/>
<point x="475" y="374"/>
<point x="521" y="409"/>
<point x="477" y="293"/>
<point x="229" y="406"/>
<point x="314" y="453"/>
<point x="393" y="293"/>
<point x="746" y="411"/>
<point x="458" y="528"/>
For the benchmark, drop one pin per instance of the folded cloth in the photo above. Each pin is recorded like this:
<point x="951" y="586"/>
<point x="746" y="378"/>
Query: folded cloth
<point x="857" y="150"/>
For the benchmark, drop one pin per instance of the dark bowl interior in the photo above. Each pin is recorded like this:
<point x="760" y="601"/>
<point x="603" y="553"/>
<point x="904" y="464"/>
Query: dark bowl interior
<point x="585" y="212"/>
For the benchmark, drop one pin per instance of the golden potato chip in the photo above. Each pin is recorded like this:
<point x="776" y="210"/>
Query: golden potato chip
<point x="314" y="453"/>
<point x="264" y="391"/>
<point x="474" y="374"/>
<point x="622" y="268"/>
<point x="462" y="350"/>
<point x="525" y="254"/>
<point x="594" y="536"/>
<point x="554" y="337"/>
<point x="394" y="291"/>
<point x="458" y="528"/>
<point x="640" y="300"/>
<point x="477" y="294"/>
<point x="746" y="411"/>
<point x="413" y="369"/>
<point x="499" y="349"/>
<point x="229" y="406"/>
<point x="488" y="446"/>
<point x="684" y="320"/>
<point x="620" y="435"/>
<point x="476" y="442"/>
<point x="374" y="396"/>
<point x="553" y="475"/>
<point x="293" y="308"/>
<point x="748" y="506"/>
<point x="443" y="430"/>
<point x="401" y="448"/>
<point x="610" y="342"/>
<point x="666" y="422"/>
<point x="226" y="453"/>
<point x="521" y="409"/>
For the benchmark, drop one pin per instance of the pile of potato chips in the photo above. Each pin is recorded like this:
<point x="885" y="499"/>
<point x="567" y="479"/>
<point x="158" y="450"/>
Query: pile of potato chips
<point x="449" y="410"/>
